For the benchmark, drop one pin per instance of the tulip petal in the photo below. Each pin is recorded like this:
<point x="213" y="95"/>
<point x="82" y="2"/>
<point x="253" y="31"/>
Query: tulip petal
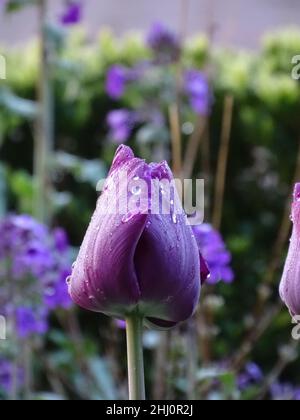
<point x="167" y="264"/>
<point x="290" y="283"/>
<point x="204" y="270"/>
<point x="104" y="278"/>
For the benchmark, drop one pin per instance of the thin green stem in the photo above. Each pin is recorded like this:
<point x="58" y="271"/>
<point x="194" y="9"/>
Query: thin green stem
<point x="135" y="360"/>
<point x="44" y="137"/>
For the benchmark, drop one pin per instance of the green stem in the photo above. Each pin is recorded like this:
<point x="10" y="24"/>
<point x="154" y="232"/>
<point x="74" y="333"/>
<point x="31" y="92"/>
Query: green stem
<point x="44" y="137"/>
<point x="134" y="332"/>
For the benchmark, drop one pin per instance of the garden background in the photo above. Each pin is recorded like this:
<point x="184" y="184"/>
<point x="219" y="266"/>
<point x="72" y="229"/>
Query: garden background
<point x="243" y="139"/>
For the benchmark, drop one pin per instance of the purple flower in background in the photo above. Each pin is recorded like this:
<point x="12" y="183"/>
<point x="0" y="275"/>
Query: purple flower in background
<point x="290" y="282"/>
<point x="213" y="249"/>
<point x="197" y="89"/>
<point x="56" y="294"/>
<point x="284" y="391"/>
<point x="133" y="258"/>
<point x="72" y="13"/>
<point x="120" y="323"/>
<point x="38" y="262"/>
<point x="6" y="375"/>
<point x="31" y="320"/>
<point x="61" y="240"/>
<point x="121" y="123"/>
<point x="250" y="376"/>
<point x="164" y="43"/>
<point x="116" y="79"/>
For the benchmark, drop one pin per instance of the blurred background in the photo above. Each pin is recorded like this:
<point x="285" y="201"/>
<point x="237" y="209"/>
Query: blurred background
<point x="206" y="85"/>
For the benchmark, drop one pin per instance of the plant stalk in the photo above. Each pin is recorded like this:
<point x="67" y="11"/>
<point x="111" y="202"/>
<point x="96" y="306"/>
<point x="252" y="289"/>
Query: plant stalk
<point x="134" y="333"/>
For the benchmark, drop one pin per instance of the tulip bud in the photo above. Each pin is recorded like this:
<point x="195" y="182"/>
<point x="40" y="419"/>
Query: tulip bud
<point x="137" y="259"/>
<point x="290" y="283"/>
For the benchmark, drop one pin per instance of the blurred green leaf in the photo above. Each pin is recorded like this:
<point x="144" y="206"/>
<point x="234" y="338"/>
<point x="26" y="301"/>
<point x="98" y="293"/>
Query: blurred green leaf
<point x="15" y="5"/>
<point x="103" y="378"/>
<point x="23" y="107"/>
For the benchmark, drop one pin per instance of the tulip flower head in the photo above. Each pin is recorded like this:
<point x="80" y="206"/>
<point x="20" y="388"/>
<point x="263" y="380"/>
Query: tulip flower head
<point x="290" y="283"/>
<point x="136" y="257"/>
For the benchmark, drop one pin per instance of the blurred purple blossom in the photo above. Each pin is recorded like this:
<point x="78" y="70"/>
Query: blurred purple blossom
<point x="72" y="13"/>
<point x="164" y="43"/>
<point x="116" y="79"/>
<point x="6" y="373"/>
<point x="31" y="320"/>
<point x="250" y="376"/>
<point x="197" y="89"/>
<point x="213" y="250"/>
<point x="37" y="261"/>
<point x="284" y="391"/>
<point x="61" y="240"/>
<point x="121" y="123"/>
<point x="120" y="323"/>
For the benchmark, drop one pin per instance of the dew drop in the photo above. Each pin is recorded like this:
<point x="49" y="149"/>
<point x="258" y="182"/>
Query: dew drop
<point x="136" y="178"/>
<point x="174" y="218"/>
<point x="162" y="191"/>
<point x="73" y="265"/>
<point x="128" y="217"/>
<point x="91" y="297"/>
<point x="136" y="190"/>
<point x="68" y="280"/>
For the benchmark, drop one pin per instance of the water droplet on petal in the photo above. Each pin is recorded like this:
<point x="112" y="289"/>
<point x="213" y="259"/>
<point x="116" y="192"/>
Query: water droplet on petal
<point x="136" y="178"/>
<point x="73" y="265"/>
<point x="136" y="190"/>
<point x="174" y="218"/>
<point x="68" y="280"/>
<point x="128" y="217"/>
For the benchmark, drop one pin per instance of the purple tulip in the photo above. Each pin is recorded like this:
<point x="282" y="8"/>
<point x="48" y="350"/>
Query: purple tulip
<point x="290" y="282"/>
<point x="138" y="260"/>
